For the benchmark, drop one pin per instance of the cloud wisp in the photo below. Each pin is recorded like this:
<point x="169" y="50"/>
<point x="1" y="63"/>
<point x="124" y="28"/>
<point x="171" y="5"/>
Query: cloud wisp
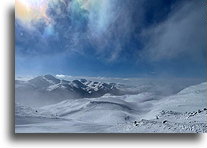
<point x="182" y="34"/>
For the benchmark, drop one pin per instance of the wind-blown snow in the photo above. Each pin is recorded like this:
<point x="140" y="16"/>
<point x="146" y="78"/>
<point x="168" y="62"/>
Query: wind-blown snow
<point x="147" y="111"/>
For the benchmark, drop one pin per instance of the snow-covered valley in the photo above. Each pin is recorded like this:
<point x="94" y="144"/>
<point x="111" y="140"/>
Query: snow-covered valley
<point x="102" y="107"/>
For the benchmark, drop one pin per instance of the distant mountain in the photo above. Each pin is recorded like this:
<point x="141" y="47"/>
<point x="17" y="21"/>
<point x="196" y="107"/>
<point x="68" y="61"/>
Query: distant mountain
<point x="47" y="89"/>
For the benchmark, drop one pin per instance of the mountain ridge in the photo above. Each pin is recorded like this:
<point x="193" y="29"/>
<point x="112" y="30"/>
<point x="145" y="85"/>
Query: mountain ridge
<point x="54" y="90"/>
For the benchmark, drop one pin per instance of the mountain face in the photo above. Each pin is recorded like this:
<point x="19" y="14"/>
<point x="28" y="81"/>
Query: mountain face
<point x="44" y="90"/>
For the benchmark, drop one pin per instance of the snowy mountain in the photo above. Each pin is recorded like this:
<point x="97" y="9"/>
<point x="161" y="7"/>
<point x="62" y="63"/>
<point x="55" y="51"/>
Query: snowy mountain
<point x="184" y="112"/>
<point x="44" y="90"/>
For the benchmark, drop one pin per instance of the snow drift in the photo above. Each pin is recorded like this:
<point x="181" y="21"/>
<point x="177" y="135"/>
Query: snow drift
<point x="184" y="112"/>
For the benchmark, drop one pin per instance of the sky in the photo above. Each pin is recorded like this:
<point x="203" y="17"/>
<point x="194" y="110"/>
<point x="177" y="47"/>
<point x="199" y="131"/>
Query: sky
<point x="111" y="38"/>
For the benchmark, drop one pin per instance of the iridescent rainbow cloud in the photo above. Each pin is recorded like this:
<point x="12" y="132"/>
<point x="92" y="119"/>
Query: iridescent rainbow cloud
<point x="27" y="10"/>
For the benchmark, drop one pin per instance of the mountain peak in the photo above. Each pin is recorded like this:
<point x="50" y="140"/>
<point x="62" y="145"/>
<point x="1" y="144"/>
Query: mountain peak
<point x="49" y="76"/>
<point x="52" y="78"/>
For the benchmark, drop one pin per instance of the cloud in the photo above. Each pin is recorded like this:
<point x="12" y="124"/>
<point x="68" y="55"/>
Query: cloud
<point x="56" y="36"/>
<point x="116" y="30"/>
<point x="104" y="28"/>
<point x="182" y="34"/>
<point x="113" y="26"/>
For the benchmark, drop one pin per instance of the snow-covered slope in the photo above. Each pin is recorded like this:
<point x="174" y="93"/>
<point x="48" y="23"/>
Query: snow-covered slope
<point x="189" y="99"/>
<point x="168" y="122"/>
<point x="183" y="112"/>
<point x="106" y="109"/>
